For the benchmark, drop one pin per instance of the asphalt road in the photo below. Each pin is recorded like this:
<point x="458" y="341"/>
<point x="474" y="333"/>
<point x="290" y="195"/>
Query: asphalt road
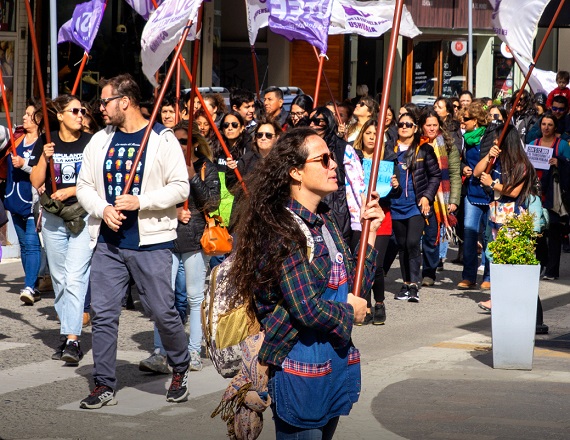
<point x="427" y="374"/>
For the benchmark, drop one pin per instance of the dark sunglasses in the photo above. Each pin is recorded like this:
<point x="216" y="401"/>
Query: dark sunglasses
<point x="76" y="111"/>
<point x="260" y="135"/>
<point x="104" y="101"/>
<point x="362" y="104"/>
<point x="233" y="124"/>
<point x="469" y="119"/>
<point x="558" y="109"/>
<point x="406" y="124"/>
<point x="455" y="106"/>
<point x="321" y="122"/>
<point x="324" y="159"/>
<point x="183" y="141"/>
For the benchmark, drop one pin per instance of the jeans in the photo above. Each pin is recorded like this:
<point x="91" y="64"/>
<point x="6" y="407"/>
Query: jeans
<point x="195" y="267"/>
<point x="474" y="215"/>
<point x="430" y="247"/>
<point x="30" y="248"/>
<point x="69" y="259"/>
<point x="443" y="244"/>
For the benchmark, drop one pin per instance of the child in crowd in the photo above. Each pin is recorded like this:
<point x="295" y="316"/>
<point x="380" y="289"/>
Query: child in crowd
<point x="562" y="79"/>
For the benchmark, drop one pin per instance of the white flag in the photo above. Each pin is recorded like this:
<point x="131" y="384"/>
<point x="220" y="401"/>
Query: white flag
<point x="369" y="19"/>
<point x="515" y="22"/>
<point x="257" y="17"/>
<point x="163" y="32"/>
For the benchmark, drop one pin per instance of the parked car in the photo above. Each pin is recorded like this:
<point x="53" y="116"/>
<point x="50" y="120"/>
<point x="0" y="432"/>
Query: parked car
<point x="211" y="90"/>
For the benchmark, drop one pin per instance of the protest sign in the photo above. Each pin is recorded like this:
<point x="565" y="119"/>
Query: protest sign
<point x="539" y="156"/>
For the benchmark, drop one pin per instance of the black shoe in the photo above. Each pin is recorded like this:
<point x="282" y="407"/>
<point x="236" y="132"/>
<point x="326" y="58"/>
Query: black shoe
<point x="414" y="297"/>
<point x="72" y="353"/>
<point x="379" y="314"/>
<point x="59" y="353"/>
<point x="541" y="329"/>
<point x="178" y="390"/>
<point x="440" y="266"/>
<point x="102" y="395"/>
<point x="367" y="319"/>
<point x="402" y="295"/>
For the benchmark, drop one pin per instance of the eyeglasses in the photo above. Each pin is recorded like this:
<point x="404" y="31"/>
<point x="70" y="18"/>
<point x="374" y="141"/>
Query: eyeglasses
<point x="406" y="124"/>
<point x="321" y="122"/>
<point x="455" y="106"/>
<point x="558" y="109"/>
<point x="468" y="119"/>
<point x="362" y="104"/>
<point x="260" y="134"/>
<point x="233" y="124"/>
<point x="76" y="111"/>
<point x="324" y="159"/>
<point x="297" y="114"/>
<point x="104" y="101"/>
<point x="183" y="141"/>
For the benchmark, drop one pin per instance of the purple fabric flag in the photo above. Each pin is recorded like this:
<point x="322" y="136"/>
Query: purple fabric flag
<point x="307" y="20"/>
<point x="143" y="7"/>
<point x="84" y="24"/>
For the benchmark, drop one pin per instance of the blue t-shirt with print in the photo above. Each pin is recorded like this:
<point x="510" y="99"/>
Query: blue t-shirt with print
<point x="405" y="206"/>
<point x="117" y="167"/>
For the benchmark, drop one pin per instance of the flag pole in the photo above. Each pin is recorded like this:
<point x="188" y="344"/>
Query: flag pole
<point x="378" y="143"/>
<point x="40" y="81"/>
<point x="80" y="72"/>
<point x="7" y="110"/>
<point x="337" y="113"/>
<point x="255" y="73"/>
<point x="524" y="84"/>
<point x="318" y="84"/>
<point x="177" y="102"/>
<point x="154" y="113"/>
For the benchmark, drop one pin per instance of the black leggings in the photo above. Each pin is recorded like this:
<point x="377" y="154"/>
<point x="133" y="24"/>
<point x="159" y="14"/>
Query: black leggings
<point x="381" y="244"/>
<point x="408" y="234"/>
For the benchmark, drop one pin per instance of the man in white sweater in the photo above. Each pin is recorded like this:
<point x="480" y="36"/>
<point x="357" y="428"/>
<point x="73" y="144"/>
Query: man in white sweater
<point x="132" y="233"/>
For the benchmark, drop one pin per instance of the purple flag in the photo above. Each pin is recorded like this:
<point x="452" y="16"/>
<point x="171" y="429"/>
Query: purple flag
<point x="143" y="7"/>
<point x="84" y="24"/>
<point x="307" y="20"/>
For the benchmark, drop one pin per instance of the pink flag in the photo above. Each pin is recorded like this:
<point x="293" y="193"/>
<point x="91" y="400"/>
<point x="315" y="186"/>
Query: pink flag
<point x="84" y="24"/>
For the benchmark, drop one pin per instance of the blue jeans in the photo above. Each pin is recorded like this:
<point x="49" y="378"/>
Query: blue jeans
<point x="69" y="259"/>
<point x="195" y="267"/>
<point x="474" y="216"/>
<point x="30" y="248"/>
<point x="430" y="247"/>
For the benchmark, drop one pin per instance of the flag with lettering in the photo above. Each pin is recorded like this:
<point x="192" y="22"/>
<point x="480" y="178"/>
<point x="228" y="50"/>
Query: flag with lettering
<point x="369" y="19"/>
<point x="143" y="7"/>
<point x="163" y="31"/>
<point x="84" y="24"/>
<point x="307" y="20"/>
<point x="257" y="12"/>
<point x="515" y="22"/>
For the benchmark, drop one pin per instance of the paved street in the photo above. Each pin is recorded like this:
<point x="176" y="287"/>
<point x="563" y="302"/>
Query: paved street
<point x="427" y="374"/>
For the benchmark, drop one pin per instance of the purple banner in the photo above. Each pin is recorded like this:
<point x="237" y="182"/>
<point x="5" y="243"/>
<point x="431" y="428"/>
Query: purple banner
<point x="307" y="20"/>
<point x="84" y="24"/>
<point x="143" y="7"/>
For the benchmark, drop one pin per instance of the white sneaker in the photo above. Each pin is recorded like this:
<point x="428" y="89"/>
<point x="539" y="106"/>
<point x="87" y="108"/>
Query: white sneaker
<point x="29" y="296"/>
<point x="195" y="361"/>
<point x="481" y="268"/>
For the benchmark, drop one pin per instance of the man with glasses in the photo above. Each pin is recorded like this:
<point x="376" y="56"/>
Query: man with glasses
<point x="132" y="233"/>
<point x="560" y="111"/>
<point x="273" y="103"/>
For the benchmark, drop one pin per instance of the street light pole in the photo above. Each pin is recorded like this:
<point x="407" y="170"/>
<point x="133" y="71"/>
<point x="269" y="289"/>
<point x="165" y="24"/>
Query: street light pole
<point x="470" y="47"/>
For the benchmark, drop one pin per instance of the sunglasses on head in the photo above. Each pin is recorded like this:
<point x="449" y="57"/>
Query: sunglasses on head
<point x="260" y="135"/>
<point x="406" y="124"/>
<point x="321" y="122"/>
<point x="233" y="124"/>
<point x="76" y="111"/>
<point x="324" y="159"/>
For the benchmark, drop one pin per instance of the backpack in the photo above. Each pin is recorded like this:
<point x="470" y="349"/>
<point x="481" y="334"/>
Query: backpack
<point x="224" y="327"/>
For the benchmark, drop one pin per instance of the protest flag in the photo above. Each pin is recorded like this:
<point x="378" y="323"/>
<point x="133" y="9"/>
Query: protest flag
<point x="257" y="13"/>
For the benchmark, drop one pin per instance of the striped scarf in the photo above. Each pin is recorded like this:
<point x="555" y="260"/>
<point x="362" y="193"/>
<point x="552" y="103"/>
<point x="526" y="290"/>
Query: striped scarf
<point x="442" y="197"/>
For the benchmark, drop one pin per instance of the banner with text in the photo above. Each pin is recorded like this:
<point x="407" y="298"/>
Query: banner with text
<point x="257" y="17"/>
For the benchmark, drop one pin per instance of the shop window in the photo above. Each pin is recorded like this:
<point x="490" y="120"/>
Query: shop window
<point x="454" y="67"/>
<point x="7" y="66"/>
<point x="425" y="85"/>
<point x="8" y="15"/>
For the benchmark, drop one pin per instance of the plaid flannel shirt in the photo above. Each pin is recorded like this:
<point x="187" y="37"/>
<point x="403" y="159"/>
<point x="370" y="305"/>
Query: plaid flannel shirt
<point x="301" y="286"/>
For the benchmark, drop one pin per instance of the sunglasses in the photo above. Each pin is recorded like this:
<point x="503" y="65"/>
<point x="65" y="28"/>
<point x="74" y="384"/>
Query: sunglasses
<point x="183" y="141"/>
<point x="321" y="122"/>
<point x="455" y="106"/>
<point x="261" y="134"/>
<point x="324" y="159"/>
<point x="362" y="104"/>
<point x="406" y="124"/>
<point x="76" y="111"/>
<point x="558" y="109"/>
<point x="469" y="119"/>
<point x="233" y="124"/>
<point x="104" y="101"/>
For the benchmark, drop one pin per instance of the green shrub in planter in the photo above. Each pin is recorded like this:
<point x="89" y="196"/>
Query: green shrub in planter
<point x="515" y="242"/>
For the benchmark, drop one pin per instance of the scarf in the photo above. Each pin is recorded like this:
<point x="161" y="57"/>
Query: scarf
<point x="474" y="137"/>
<point x="442" y="197"/>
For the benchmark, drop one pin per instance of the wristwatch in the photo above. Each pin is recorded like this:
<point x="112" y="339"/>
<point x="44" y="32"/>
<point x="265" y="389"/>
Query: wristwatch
<point x="494" y="183"/>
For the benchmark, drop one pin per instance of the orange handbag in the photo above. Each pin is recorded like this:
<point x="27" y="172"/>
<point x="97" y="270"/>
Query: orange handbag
<point x="216" y="239"/>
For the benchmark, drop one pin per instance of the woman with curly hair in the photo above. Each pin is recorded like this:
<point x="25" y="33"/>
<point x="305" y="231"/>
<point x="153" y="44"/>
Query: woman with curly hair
<point x="216" y="105"/>
<point x="365" y="109"/>
<point x="294" y="272"/>
<point x="66" y="238"/>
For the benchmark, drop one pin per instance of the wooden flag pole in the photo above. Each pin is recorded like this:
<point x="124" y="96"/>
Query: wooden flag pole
<point x="7" y="110"/>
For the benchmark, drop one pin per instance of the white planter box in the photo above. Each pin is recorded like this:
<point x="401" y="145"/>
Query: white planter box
<point x="514" y="296"/>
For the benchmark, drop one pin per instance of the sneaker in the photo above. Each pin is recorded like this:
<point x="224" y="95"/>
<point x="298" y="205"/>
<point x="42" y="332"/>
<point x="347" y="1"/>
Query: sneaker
<point x="72" y="353"/>
<point x="440" y="266"/>
<point x="413" y="294"/>
<point x="545" y="277"/>
<point x="102" y="395"/>
<point x="379" y="314"/>
<point x="59" y="353"/>
<point x="541" y="329"/>
<point x="402" y="295"/>
<point x="195" y="361"/>
<point x="45" y="284"/>
<point x="156" y="363"/>
<point x="428" y="282"/>
<point x="29" y="296"/>
<point x="178" y="390"/>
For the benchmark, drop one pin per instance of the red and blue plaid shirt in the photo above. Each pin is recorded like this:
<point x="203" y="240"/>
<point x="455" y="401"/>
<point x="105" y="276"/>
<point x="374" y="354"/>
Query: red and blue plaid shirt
<point x="301" y="286"/>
